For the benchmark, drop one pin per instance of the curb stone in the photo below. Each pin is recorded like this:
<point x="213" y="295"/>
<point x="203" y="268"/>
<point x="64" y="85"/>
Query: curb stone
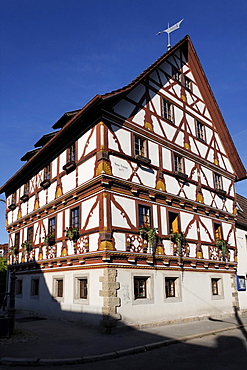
<point x="13" y="361"/>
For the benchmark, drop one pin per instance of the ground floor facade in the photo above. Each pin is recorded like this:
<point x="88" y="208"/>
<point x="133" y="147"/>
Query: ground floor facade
<point x="125" y="296"/>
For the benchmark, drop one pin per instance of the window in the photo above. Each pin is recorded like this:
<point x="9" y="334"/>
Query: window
<point x="47" y="172"/>
<point x="178" y="163"/>
<point x="52" y="226"/>
<point x="217" y="232"/>
<point x="216" y="287"/>
<point x="173" y="222"/>
<point x="71" y="153"/>
<point x="18" y="287"/>
<point x="75" y="217"/>
<point x="17" y="240"/>
<point x="81" y="290"/>
<point x="30" y="234"/>
<point x="144" y="216"/>
<point x="170" y="287"/>
<point x="167" y="110"/>
<point x="34" y="287"/>
<point x="218" y="181"/>
<point x="187" y="83"/>
<point x="176" y="74"/>
<point x="140" y="287"/>
<point x="58" y="287"/>
<point x="26" y="188"/>
<point x="200" y="131"/>
<point x="140" y="146"/>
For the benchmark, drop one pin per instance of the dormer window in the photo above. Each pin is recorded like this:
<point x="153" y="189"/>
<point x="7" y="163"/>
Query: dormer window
<point x="167" y="110"/>
<point x="187" y="83"/>
<point x="140" y="150"/>
<point x="71" y="159"/>
<point x="12" y="205"/>
<point x="71" y="153"/>
<point x="176" y="74"/>
<point x="179" y="167"/>
<point x="25" y="195"/>
<point x="47" y="175"/>
<point x="218" y="184"/>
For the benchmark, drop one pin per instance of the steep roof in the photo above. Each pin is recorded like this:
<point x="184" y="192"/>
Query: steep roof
<point x="69" y="119"/>
<point x="242" y="212"/>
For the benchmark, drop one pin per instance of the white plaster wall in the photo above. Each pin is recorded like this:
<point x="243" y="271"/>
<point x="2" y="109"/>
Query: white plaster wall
<point x="65" y="308"/>
<point x="153" y="153"/>
<point x="195" y="297"/>
<point x="123" y="137"/>
<point x="85" y="144"/>
<point x="86" y="170"/>
<point x="120" y="168"/>
<point x="129" y="208"/>
<point x="242" y="264"/>
<point x="69" y="182"/>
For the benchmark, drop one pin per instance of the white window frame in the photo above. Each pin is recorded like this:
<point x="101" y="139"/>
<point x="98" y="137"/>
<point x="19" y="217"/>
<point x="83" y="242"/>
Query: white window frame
<point x="55" y="288"/>
<point x="220" y="294"/>
<point x="177" y="285"/>
<point x="149" y="288"/>
<point x="77" y="299"/>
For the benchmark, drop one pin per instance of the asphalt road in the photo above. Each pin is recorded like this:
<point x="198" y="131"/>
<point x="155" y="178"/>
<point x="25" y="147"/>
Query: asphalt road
<point x="226" y="350"/>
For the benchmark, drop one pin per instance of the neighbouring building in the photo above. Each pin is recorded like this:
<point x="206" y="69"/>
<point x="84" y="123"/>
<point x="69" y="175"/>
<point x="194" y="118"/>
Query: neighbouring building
<point x="125" y="214"/>
<point x="241" y="232"/>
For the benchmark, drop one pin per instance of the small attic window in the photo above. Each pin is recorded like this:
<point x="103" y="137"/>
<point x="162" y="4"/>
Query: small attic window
<point x="176" y="74"/>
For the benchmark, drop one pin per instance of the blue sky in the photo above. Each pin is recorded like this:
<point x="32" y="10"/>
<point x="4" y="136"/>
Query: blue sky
<point x="57" y="54"/>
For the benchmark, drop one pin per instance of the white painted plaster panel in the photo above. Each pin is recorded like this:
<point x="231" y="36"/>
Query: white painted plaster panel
<point x="180" y="139"/>
<point x="52" y="191"/>
<point x="31" y="203"/>
<point x="147" y="176"/>
<point x="139" y="117"/>
<point x="166" y="159"/>
<point x="193" y="147"/>
<point x="153" y="153"/>
<point x="63" y="160"/>
<point x="171" y="184"/>
<point x="229" y="205"/>
<point x="86" y="208"/>
<point x="42" y="198"/>
<point x="163" y="220"/>
<point x="219" y="202"/>
<point x="67" y="217"/>
<point x="206" y="177"/>
<point x="129" y="207"/>
<point x="54" y="168"/>
<point x="169" y="130"/>
<point x="157" y="127"/>
<point x="86" y="144"/>
<point x="185" y="219"/>
<point x="69" y="182"/>
<point x="121" y="141"/>
<point x="178" y="114"/>
<point x="124" y="108"/>
<point x="202" y="148"/>
<point x="155" y="216"/>
<point x="201" y="106"/>
<point x="190" y="76"/>
<point x="86" y="170"/>
<point x="196" y="91"/>
<point x="205" y="228"/>
<point x="192" y="248"/>
<point x="229" y="166"/>
<point x="208" y="134"/>
<point x="93" y="219"/>
<point x="60" y="229"/>
<point x="190" y="191"/>
<point x="24" y="209"/>
<point x="137" y="93"/>
<point x="189" y="165"/>
<point x="118" y="217"/>
<point x="207" y="196"/>
<point x="227" y="233"/>
<point x="177" y="89"/>
<point x="93" y="242"/>
<point x="191" y="123"/>
<point x="156" y="104"/>
<point x="120" y="241"/>
<point x="205" y="251"/>
<point x="120" y="168"/>
<point x="221" y="147"/>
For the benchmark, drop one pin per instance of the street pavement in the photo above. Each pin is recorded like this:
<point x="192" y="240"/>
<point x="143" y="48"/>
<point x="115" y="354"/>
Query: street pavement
<point x="43" y="341"/>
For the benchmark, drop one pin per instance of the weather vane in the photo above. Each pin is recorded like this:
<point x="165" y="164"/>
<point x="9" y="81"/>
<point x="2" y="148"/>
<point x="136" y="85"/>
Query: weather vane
<point x="169" y="30"/>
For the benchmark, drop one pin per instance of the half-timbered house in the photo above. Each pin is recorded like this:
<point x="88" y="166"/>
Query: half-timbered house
<point x="125" y="213"/>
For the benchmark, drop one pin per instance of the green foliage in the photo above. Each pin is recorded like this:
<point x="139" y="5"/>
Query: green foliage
<point x="222" y="245"/>
<point x="148" y="233"/>
<point x="177" y="238"/>
<point x="72" y="233"/>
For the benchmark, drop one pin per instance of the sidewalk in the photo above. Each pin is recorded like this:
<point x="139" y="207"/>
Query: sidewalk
<point x="41" y="341"/>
